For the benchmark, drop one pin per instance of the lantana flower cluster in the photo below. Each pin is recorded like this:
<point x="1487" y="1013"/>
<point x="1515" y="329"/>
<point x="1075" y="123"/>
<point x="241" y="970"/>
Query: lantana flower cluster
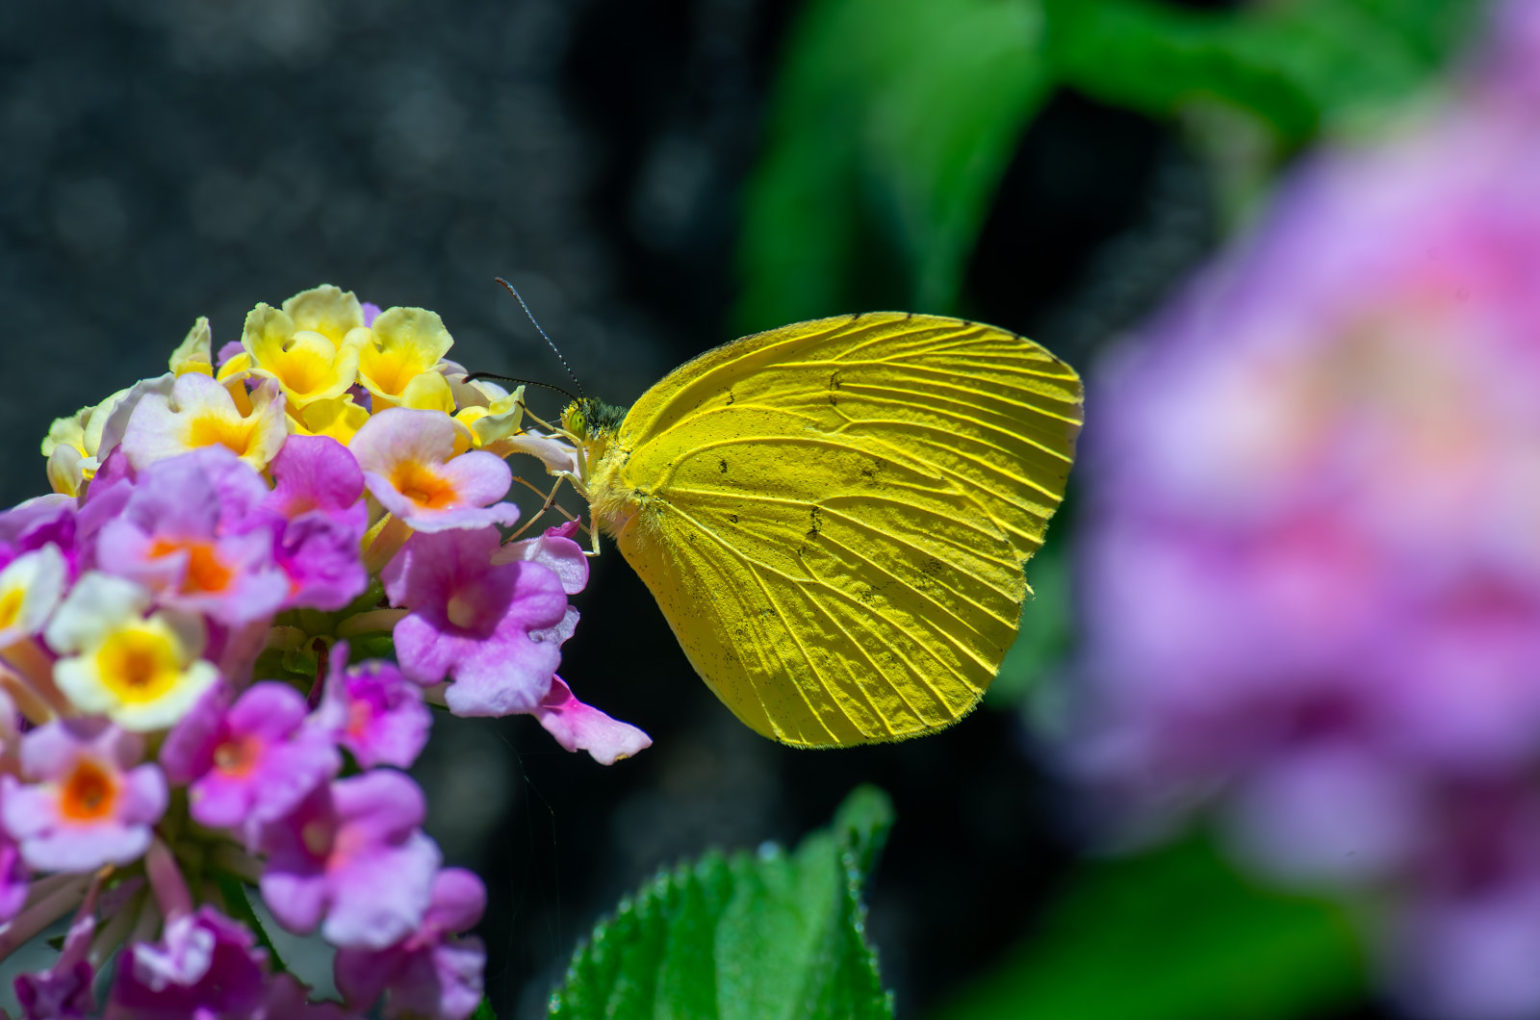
<point x="220" y="640"/>
<point x="1311" y="576"/>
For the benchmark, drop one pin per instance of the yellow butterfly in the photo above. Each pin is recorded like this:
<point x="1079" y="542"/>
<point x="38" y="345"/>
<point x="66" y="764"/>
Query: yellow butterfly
<point x="833" y="515"/>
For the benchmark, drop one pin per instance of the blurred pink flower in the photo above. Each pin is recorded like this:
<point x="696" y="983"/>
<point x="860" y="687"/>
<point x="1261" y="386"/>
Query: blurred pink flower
<point x="205" y="965"/>
<point x="318" y="491"/>
<point x="251" y="762"/>
<point x="186" y="533"/>
<point x="352" y="858"/>
<point x="1311" y="573"/>
<point x="63" y="991"/>
<point x="89" y="804"/>
<point x="495" y="630"/>
<point x="581" y="727"/>
<point x="430" y="973"/>
<point x="373" y="711"/>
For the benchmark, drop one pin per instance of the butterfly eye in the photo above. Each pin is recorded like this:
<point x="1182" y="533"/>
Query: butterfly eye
<point x="575" y="419"/>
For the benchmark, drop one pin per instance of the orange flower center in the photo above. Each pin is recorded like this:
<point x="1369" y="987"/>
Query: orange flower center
<point x="238" y="756"/>
<point x="89" y="793"/>
<point x="423" y="486"/>
<point x="205" y="570"/>
<point x="360" y="716"/>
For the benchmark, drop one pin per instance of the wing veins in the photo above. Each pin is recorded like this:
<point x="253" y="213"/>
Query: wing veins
<point x="985" y="535"/>
<point x="914" y="670"/>
<point x="751" y="564"/>
<point x="807" y="660"/>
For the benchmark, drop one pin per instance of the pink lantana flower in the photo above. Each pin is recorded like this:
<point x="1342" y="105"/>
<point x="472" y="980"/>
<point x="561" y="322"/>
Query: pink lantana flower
<point x="63" y="991"/>
<point x="88" y="804"/>
<point x="374" y="712"/>
<point x="186" y="534"/>
<point x="352" y="859"/>
<point x="429" y="973"/>
<point x="40" y="521"/>
<point x="495" y="629"/>
<point x="287" y="999"/>
<point x="555" y="549"/>
<point x="201" y="412"/>
<point x="13" y="871"/>
<point x="318" y="492"/>
<point x="205" y="965"/>
<point x="413" y="466"/>
<point x="13" y="878"/>
<point x="252" y="762"/>
<point x="580" y="727"/>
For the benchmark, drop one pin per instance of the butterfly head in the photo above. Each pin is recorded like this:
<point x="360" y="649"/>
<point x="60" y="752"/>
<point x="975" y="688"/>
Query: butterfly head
<point x="588" y="420"/>
<point x="592" y="426"/>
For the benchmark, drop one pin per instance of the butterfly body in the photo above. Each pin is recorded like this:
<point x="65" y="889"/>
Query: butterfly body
<point x="833" y="516"/>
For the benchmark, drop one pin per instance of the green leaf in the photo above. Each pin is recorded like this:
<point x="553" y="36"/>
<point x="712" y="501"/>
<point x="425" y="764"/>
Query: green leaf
<point x="1046" y="629"/>
<point x="760" y="936"/>
<point x="892" y="123"/>
<point x="238" y="905"/>
<point x="484" y="1011"/>
<point x="1173" y="935"/>
<point x="1298" y="66"/>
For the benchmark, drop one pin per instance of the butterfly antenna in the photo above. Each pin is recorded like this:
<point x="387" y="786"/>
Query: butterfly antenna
<point x="548" y="341"/>
<point x="515" y="380"/>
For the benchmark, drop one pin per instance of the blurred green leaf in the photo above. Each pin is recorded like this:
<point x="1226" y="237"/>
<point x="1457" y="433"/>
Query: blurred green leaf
<point x="1298" y="66"/>
<point x="1047" y="627"/>
<point x="759" y="936"/>
<point x="893" y="120"/>
<point x="1173" y="935"/>
<point x="892" y="123"/>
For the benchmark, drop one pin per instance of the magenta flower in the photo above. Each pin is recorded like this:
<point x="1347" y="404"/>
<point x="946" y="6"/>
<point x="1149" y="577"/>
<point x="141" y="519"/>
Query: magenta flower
<point x="1511" y="69"/>
<point x="1463" y="944"/>
<point x="318" y="491"/>
<point x="428" y="974"/>
<point x="249" y="763"/>
<point x="42" y="521"/>
<point x="63" y="991"/>
<point x="351" y="858"/>
<point x="580" y="727"/>
<point x="412" y="466"/>
<point x="556" y="550"/>
<point x="287" y="999"/>
<point x="88" y="803"/>
<point x="496" y="630"/>
<point x="184" y="533"/>
<point x="374" y="712"/>
<point x="13" y="878"/>
<point x="205" y="965"/>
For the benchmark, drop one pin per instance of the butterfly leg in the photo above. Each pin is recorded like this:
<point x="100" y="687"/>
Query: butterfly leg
<point x="550" y="502"/>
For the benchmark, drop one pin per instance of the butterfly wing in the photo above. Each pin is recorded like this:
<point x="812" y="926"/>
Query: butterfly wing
<point x="833" y="516"/>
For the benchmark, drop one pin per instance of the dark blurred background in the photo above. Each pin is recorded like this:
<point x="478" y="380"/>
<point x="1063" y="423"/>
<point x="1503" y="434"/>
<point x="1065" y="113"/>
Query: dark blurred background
<point x="165" y="159"/>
